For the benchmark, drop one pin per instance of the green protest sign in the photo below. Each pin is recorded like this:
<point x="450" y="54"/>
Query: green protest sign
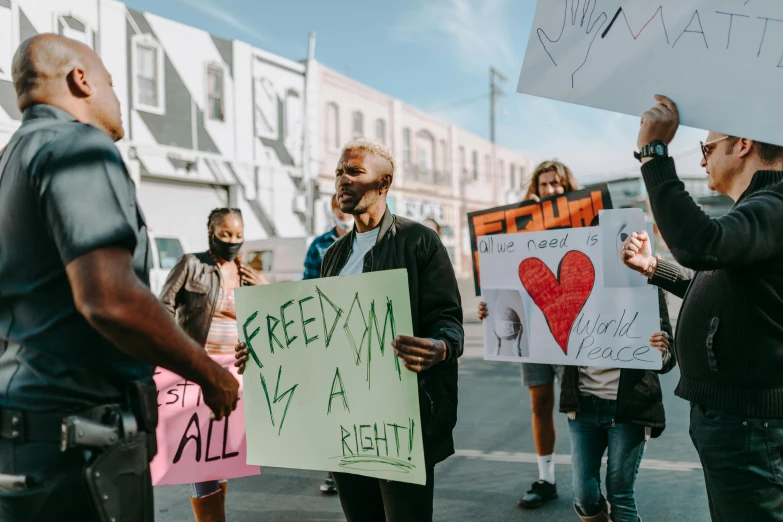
<point x="323" y="389"/>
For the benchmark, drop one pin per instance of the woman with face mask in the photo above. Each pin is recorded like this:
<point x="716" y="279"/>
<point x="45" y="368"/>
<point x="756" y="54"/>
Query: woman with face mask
<point x="199" y="292"/>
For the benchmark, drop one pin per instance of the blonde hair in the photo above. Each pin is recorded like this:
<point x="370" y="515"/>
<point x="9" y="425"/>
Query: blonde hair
<point x="373" y="147"/>
<point x="567" y="179"/>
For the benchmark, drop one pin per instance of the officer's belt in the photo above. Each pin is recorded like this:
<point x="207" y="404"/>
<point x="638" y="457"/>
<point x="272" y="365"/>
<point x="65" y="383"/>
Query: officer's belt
<point x="30" y="426"/>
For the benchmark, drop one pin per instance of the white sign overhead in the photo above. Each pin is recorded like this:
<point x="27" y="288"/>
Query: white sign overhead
<point x="721" y="61"/>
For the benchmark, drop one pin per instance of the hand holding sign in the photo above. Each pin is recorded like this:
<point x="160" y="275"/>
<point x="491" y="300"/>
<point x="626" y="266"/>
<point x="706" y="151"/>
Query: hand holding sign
<point x="560" y="49"/>
<point x="241" y="354"/>
<point x="659" y="123"/>
<point x="419" y="354"/>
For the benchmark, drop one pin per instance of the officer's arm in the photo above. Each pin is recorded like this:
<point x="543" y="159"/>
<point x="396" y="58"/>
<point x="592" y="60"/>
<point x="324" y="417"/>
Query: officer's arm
<point x="117" y="304"/>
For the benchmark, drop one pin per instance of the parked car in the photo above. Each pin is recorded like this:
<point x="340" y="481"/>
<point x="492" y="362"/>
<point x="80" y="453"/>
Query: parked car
<point x="166" y="250"/>
<point x="277" y="258"/>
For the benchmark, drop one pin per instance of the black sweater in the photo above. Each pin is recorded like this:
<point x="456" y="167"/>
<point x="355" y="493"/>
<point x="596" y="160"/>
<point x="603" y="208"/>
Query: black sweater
<point x="729" y="341"/>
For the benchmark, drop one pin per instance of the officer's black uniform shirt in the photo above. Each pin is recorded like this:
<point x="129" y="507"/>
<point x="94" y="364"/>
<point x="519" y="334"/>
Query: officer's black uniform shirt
<point x="64" y="192"/>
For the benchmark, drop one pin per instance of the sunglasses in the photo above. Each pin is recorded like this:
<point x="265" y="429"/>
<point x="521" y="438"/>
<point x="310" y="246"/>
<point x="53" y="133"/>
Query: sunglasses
<point x="706" y="148"/>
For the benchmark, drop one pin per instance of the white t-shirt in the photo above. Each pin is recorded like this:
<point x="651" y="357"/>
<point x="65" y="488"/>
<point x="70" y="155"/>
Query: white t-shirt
<point x="362" y="243"/>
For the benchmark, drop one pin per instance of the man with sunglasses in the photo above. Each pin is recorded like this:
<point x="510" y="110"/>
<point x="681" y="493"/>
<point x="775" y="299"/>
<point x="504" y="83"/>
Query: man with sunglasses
<point x="729" y="341"/>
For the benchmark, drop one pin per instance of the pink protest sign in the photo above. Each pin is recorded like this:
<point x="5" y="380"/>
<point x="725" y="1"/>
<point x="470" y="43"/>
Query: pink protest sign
<point x="191" y="448"/>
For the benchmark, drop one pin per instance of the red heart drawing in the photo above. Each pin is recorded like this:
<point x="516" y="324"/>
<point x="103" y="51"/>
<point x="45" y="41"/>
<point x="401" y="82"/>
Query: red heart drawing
<point x="562" y="298"/>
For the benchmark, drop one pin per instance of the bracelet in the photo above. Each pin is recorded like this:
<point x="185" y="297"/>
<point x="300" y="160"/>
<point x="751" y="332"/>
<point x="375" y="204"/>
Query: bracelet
<point x="650" y="271"/>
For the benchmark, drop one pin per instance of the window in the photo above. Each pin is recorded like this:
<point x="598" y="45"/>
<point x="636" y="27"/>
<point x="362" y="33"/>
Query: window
<point x="358" y="125"/>
<point x="169" y="252"/>
<point x="462" y="162"/>
<point x="332" y="126"/>
<point x="423" y="160"/>
<point x="406" y="146"/>
<point x="380" y="130"/>
<point x="512" y="176"/>
<point x="148" y="73"/>
<point x="7" y="42"/>
<point x="475" y="165"/>
<point x="73" y="28"/>
<point x="425" y="145"/>
<point x="266" y="109"/>
<point x="215" y="92"/>
<point x="444" y="156"/>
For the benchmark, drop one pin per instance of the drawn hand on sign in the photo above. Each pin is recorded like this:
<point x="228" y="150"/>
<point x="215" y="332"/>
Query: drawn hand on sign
<point x="419" y="354"/>
<point x="581" y="26"/>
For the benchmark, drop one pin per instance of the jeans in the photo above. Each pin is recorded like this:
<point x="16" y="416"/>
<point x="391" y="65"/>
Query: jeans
<point x="592" y="433"/>
<point x="365" y="499"/>
<point x="742" y="459"/>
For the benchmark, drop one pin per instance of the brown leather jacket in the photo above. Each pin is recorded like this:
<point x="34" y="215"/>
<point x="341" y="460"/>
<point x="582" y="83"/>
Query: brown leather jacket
<point x="190" y="293"/>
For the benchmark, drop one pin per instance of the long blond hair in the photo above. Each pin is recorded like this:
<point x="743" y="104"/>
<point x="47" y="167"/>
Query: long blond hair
<point x="567" y="179"/>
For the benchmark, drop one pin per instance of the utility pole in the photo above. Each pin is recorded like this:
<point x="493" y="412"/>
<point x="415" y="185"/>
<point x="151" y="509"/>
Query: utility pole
<point x="310" y="178"/>
<point x="494" y="95"/>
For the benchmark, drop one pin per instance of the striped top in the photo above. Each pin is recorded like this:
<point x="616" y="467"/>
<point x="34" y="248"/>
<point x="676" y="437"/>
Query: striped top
<point x="222" y="336"/>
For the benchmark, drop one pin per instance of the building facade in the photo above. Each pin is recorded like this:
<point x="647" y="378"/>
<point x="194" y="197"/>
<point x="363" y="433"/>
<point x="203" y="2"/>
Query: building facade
<point x="209" y="122"/>
<point x="212" y="122"/>
<point x="443" y="172"/>
<point x="630" y="192"/>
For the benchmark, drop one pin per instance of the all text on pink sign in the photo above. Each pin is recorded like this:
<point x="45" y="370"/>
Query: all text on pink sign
<point x="191" y="448"/>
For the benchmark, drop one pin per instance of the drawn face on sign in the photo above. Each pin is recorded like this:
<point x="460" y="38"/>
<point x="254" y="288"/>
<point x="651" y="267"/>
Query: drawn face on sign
<point x="550" y="184"/>
<point x="362" y="181"/>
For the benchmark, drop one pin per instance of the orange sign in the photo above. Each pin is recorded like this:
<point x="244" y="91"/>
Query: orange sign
<point x="573" y="210"/>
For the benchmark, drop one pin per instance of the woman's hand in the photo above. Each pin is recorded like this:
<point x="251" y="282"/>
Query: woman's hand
<point x="250" y="276"/>
<point x="660" y="341"/>
<point x="241" y="354"/>
<point x="483" y="312"/>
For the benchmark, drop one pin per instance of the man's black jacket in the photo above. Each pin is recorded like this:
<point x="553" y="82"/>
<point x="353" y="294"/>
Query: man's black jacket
<point x="436" y="311"/>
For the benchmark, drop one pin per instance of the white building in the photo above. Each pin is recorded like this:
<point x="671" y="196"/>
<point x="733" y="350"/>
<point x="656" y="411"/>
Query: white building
<point x="443" y="171"/>
<point x="212" y="122"/>
<point x="209" y="122"/>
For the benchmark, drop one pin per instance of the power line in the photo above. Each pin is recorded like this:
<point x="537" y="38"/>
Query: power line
<point x="459" y="103"/>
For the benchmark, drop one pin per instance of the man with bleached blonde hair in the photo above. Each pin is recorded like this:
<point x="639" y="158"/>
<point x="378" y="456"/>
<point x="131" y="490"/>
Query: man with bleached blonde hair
<point x="382" y="241"/>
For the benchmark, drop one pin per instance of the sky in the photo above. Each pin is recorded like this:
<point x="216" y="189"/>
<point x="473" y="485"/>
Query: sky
<point x="435" y="55"/>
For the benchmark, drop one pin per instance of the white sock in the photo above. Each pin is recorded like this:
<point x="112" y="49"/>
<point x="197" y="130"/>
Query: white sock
<point x="546" y="468"/>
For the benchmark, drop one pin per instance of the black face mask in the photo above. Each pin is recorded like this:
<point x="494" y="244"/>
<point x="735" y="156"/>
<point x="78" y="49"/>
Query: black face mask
<point x="226" y="251"/>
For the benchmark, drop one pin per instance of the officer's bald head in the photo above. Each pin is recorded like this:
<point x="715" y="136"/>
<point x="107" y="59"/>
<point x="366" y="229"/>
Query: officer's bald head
<point x="56" y="70"/>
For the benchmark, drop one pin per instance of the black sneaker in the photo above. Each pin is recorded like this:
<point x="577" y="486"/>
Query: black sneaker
<point x="328" y="487"/>
<point x="540" y="492"/>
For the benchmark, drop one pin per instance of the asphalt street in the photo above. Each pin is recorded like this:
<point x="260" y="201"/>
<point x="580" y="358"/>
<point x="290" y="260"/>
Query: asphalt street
<point x="495" y="463"/>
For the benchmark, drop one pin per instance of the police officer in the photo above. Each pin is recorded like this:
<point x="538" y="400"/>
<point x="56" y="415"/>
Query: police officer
<point x="80" y="332"/>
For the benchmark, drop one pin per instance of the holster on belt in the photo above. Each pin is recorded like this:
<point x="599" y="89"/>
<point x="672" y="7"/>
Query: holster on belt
<point x="117" y="472"/>
<point x="143" y="402"/>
